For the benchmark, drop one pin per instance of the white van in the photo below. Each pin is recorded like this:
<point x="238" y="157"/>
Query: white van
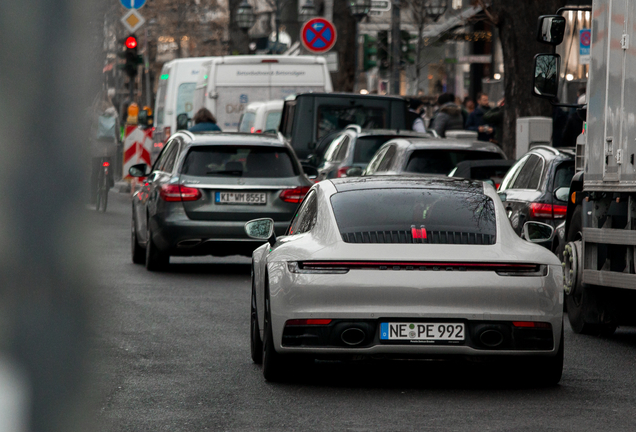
<point x="175" y="94"/>
<point x="228" y="84"/>
<point x="261" y="117"/>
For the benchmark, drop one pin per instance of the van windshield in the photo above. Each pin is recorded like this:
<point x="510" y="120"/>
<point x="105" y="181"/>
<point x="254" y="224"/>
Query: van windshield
<point x="332" y="118"/>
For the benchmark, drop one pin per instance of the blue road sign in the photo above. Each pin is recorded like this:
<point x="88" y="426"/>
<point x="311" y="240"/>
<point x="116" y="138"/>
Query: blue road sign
<point x="585" y="38"/>
<point x="132" y="4"/>
<point x="318" y="35"/>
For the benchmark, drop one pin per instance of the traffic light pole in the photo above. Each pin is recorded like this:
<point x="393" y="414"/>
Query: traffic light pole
<point x="356" y="59"/>
<point x="395" y="47"/>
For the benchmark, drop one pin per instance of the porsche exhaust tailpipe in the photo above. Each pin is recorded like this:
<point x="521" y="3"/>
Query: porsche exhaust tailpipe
<point x="491" y="338"/>
<point x="353" y="336"/>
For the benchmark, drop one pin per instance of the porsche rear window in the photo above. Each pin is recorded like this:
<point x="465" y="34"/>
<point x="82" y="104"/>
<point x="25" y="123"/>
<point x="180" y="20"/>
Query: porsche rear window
<point x="439" y="216"/>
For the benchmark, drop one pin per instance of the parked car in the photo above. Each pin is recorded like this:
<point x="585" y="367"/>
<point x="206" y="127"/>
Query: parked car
<point x="204" y="187"/>
<point x="355" y="147"/>
<point x="491" y="170"/>
<point x="309" y="117"/>
<point x="261" y="117"/>
<point x="437" y="156"/>
<point x="537" y="188"/>
<point x="405" y="267"/>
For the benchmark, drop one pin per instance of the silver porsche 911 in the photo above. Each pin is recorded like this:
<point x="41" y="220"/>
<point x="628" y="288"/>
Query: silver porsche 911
<point x="405" y="268"/>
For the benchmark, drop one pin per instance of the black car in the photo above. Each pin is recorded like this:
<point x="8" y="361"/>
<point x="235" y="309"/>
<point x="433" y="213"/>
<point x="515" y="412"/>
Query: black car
<point x="537" y="187"/>
<point x="492" y="170"/>
<point x="436" y="156"/>
<point x="308" y="117"/>
<point x="204" y="187"/>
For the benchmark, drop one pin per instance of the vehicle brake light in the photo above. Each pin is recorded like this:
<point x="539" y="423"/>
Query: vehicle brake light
<point x="252" y="129"/>
<point x="259" y="131"/>
<point x="342" y="172"/>
<point x="303" y="322"/>
<point x="106" y="164"/>
<point x="548" y="211"/>
<point x="531" y="324"/>
<point x="269" y="61"/>
<point x="174" y="193"/>
<point x="294" y="195"/>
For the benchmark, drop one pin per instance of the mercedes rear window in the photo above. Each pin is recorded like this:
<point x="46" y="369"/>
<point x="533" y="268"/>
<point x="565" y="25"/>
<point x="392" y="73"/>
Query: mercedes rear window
<point x="238" y="161"/>
<point x="366" y="147"/>
<point x="438" y="216"/>
<point x="442" y="161"/>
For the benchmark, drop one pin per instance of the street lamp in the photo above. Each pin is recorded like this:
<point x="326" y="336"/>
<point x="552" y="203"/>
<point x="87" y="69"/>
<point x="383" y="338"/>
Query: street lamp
<point x="245" y="17"/>
<point x="308" y="11"/>
<point x="435" y="8"/>
<point x="359" y="9"/>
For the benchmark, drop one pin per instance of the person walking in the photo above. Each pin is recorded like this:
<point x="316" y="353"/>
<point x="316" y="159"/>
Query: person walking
<point x="449" y="116"/>
<point x="476" y="121"/>
<point x="204" y="121"/>
<point x="414" y="116"/>
<point x="494" y="118"/>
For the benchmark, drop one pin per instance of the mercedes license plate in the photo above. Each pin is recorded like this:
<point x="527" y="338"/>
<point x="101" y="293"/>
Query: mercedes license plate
<point x="241" y="198"/>
<point x="421" y="332"/>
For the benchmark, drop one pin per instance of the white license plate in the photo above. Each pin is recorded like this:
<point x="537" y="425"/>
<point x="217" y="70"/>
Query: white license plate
<point x="405" y="331"/>
<point x="241" y="198"/>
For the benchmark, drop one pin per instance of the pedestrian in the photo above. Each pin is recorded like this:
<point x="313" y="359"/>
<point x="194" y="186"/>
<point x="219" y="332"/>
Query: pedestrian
<point x="449" y="116"/>
<point x="476" y="121"/>
<point x="414" y="116"/>
<point x="468" y="106"/>
<point x="494" y="118"/>
<point x="204" y="121"/>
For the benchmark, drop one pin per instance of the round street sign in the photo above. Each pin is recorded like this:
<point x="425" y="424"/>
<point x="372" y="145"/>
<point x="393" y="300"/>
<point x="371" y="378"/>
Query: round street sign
<point x="132" y="4"/>
<point x="318" y="35"/>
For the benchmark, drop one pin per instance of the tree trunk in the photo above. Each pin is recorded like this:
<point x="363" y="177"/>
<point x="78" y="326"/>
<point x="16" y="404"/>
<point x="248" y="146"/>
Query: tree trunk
<point x="345" y="46"/>
<point x="517" y="24"/>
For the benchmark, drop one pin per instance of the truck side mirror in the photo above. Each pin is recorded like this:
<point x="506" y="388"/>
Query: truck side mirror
<point x="551" y="29"/>
<point x="546" y="75"/>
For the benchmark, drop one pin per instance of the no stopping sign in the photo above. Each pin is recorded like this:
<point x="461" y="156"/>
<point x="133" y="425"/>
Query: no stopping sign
<point x="318" y="35"/>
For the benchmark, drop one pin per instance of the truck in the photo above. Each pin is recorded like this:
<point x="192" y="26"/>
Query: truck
<point x="228" y="84"/>
<point x="598" y="256"/>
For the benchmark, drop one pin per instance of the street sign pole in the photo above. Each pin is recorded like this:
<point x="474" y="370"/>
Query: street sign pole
<point x="395" y="48"/>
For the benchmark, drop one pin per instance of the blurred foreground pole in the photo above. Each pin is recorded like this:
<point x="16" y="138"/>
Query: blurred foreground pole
<point x="44" y="294"/>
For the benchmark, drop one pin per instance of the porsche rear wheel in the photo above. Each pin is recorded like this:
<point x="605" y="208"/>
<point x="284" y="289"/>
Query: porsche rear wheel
<point x="548" y="371"/>
<point x="256" y="344"/>
<point x="273" y="363"/>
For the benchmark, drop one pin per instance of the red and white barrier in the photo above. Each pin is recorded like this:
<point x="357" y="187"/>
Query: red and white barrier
<point x="137" y="146"/>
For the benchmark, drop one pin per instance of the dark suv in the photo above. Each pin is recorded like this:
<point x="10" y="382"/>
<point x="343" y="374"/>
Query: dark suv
<point x="309" y="117"/>
<point x="537" y="187"/>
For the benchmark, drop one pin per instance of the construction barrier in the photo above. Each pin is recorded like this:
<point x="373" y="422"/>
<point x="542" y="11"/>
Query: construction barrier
<point x="137" y="147"/>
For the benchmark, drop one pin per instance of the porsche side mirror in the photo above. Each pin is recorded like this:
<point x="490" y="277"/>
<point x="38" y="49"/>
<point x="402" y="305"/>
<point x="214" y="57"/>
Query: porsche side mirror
<point x="261" y="229"/>
<point x="538" y="232"/>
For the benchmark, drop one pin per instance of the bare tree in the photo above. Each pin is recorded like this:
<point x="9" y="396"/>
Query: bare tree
<point x="517" y="24"/>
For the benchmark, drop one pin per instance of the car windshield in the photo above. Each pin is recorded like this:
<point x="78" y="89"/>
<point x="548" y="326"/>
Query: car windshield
<point x="242" y="161"/>
<point x="366" y="147"/>
<point x="415" y="216"/>
<point x="442" y="161"/>
<point x="332" y="118"/>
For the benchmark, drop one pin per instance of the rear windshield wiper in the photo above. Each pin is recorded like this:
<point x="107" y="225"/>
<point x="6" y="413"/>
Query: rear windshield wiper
<point x="226" y="172"/>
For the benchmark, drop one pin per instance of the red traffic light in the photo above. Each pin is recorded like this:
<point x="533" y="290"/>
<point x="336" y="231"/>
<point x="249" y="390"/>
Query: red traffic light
<point x="131" y="42"/>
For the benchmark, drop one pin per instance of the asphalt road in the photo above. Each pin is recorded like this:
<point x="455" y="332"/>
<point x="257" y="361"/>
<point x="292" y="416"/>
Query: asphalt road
<point x="171" y="353"/>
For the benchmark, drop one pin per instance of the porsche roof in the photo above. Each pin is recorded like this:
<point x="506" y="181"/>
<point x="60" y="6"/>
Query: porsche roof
<point x="406" y="182"/>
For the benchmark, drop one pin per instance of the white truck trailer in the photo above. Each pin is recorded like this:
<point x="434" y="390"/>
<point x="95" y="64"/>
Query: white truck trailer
<point x="600" y="228"/>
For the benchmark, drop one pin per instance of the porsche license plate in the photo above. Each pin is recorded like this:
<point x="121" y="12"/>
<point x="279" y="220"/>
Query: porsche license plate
<point x="241" y="198"/>
<point x="405" y="331"/>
